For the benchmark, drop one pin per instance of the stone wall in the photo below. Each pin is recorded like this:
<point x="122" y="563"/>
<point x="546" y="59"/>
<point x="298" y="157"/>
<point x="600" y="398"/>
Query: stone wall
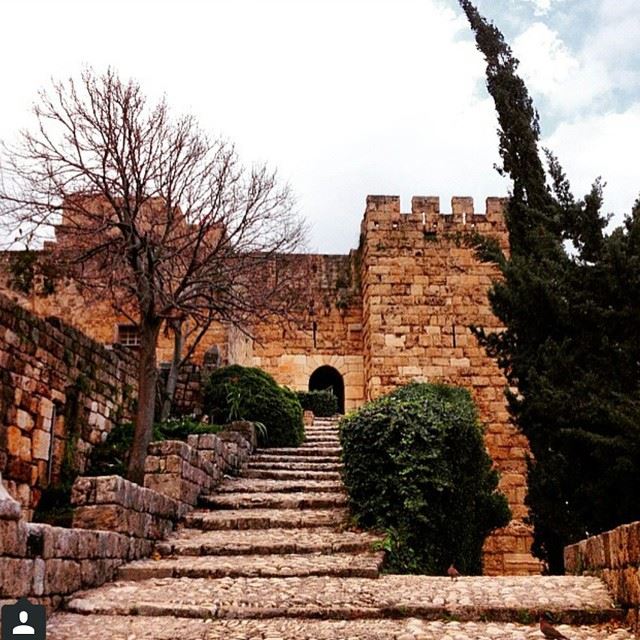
<point x="422" y="288"/>
<point x="396" y="310"/>
<point x="46" y="563"/>
<point x="60" y="394"/>
<point x="90" y="312"/>
<point x="115" y="521"/>
<point x="328" y="331"/>
<point x="613" y="556"/>
<point x="111" y="503"/>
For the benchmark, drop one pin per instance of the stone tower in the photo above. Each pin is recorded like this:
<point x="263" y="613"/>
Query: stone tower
<point x="423" y="286"/>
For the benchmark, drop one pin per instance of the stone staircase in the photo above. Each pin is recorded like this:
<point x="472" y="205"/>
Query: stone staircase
<point x="270" y="556"/>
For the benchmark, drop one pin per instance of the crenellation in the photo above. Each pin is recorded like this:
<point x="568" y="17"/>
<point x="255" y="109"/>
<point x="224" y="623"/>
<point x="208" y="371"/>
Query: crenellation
<point x="383" y="204"/>
<point x="462" y="209"/>
<point x="383" y="213"/>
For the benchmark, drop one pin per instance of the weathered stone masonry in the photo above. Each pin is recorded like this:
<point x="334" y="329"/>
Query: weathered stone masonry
<point x="423" y="286"/>
<point x="395" y="310"/>
<point x="58" y="389"/>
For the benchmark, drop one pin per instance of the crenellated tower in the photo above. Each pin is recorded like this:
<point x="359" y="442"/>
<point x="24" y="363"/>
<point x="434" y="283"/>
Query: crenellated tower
<point x="423" y="286"/>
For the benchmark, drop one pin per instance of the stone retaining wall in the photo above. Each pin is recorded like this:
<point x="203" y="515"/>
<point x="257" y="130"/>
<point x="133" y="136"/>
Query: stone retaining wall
<point x="115" y="521"/>
<point x="114" y="504"/>
<point x="45" y="563"/>
<point x="613" y="556"/>
<point x="55" y="383"/>
<point x="179" y="471"/>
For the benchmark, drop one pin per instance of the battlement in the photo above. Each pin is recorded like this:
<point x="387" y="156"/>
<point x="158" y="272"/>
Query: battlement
<point x="383" y="213"/>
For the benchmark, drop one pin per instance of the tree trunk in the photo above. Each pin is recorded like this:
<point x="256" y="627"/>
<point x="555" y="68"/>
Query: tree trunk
<point x="172" y="378"/>
<point x="147" y="380"/>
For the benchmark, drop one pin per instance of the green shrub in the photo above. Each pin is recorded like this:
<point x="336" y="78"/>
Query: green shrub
<point x="247" y="393"/>
<point x="323" y="403"/>
<point x="182" y="428"/>
<point x="416" y="467"/>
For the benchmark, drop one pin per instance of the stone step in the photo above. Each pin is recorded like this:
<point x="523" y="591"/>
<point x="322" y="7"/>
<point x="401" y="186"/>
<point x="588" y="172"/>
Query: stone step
<point x="503" y="600"/>
<point x="326" y="431"/>
<point x="191" y="542"/>
<point x="174" y="626"/>
<point x="303" y="450"/>
<point x="323" y="426"/>
<point x="317" y="440"/>
<point x="264" y="519"/>
<point x="341" y="565"/>
<point x="257" y="485"/>
<point x="279" y="474"/>
<point x="296" y="466"/>
<point x="304" y="500"/>
<point x="304" y="459"/>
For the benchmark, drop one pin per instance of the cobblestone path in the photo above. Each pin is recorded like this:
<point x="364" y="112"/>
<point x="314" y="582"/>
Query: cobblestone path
<point x="270" y="557"/>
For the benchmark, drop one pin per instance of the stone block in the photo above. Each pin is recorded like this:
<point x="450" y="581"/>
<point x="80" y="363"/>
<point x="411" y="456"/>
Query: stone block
<point x="169" y="447"/>
<point x="83" y="491"/>
<point x="102" y="517"/>
<point x="13" y="538"/>
<point x="110" y="490"/>
<point x="40" y="442"/>
<point x="10" y="508"/>
<point x="15" y="577"/>
<point x="61" y="576"/>
<point x="88" y="544"/>
<point x="38" y="578"/>
<point x="24" y="420"/>
<point x="247" y="430"/>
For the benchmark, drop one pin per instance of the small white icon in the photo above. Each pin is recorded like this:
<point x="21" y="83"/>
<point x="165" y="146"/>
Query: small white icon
<point x="24" y="629"/>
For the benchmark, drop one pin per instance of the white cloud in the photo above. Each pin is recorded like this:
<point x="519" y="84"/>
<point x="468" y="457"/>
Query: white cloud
<point x="546" y="62"/>
<point x="615" y="41"/>
<point x="346" y="98"/>
<point x="550" y="69"/>
<point x="603" y="145"/>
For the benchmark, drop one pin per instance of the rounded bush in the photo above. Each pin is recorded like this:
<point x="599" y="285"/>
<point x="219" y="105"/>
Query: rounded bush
<point x="416" y="467"/>
<point x="247" y="393"/>
<point x="323" y="403"/>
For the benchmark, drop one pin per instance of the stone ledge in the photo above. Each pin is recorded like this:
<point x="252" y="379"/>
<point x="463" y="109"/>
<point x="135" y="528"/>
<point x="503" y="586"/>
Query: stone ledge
<point x="613" y="556"/>
<point x="118" y="491"/>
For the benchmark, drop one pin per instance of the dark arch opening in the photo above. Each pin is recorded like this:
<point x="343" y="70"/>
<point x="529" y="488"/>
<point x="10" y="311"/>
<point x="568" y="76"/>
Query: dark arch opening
<point x="327" y="377"/>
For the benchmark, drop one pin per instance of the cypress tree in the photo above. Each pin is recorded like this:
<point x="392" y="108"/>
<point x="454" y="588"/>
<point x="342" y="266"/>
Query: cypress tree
<point x="572" y="318"/>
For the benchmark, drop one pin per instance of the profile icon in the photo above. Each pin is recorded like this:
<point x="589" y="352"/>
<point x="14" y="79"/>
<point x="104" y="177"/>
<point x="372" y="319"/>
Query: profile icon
<point x="24" y="620"/>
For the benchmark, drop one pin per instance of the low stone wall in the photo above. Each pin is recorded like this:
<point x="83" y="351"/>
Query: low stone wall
<point x="613" y="556"/>
<point x="114" y="504"/>
<point x="179" y="471"/>
<point x="115" y="521"/>
<point x="183" y="471"/>
<point x="45" y="563"/>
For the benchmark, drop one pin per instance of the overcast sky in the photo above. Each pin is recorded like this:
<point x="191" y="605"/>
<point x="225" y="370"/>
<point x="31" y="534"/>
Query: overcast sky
<point x="354" y="97"/>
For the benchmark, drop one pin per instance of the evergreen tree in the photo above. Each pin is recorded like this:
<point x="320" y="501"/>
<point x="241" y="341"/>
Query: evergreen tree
<point x="572" y="339"/>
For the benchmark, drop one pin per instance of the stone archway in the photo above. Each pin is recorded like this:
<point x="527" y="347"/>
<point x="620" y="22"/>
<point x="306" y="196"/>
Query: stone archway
<point x="327" y="377"/>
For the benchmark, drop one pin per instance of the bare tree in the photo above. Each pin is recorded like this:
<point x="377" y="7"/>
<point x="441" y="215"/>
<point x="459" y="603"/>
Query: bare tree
<point x="150" y="212"/>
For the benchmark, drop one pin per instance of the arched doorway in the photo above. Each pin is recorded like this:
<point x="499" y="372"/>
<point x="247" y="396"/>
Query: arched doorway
<point x="327" y="377"/>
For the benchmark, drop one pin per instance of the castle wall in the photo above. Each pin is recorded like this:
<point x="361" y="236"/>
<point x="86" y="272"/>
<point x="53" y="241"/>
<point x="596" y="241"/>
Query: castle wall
<point x="327" y="330"/>
<point x="60" y="393"/>
<point x="396" y="310"/>
<point x="422" y="287"/>
<point x="94" y="315"/>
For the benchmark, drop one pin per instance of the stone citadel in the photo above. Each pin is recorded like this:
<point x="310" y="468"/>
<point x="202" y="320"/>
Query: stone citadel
<point x="397" y="309"/>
